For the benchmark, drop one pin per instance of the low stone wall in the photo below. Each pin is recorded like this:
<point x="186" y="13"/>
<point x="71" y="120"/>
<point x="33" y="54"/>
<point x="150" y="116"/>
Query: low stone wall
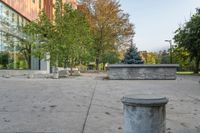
<point x="21" y="72"/>
<point x="142" y="72"/>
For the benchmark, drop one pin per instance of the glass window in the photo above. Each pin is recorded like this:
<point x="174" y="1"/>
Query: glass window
<point x="10" y="56"/>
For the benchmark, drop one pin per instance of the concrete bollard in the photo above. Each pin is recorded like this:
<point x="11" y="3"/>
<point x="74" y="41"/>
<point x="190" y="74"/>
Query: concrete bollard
<point x="144" y="114"/>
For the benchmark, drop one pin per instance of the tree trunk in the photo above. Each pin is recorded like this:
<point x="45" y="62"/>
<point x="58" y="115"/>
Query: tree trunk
<point x="97" y="63"/>
<point x="104" y="66"/>
<point x="65" y="63"/>
<point x="71" y="66"/>
<point x="71" y="70"/>
<point x="99" y="49"/>
<point x="39" y="64"/>
<point x="29" y="61"/>
<point x="196" y="71"/>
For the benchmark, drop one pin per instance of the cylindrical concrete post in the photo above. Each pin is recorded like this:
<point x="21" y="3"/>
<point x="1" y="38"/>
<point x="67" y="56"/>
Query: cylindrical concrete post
<point x="144" y="114"/>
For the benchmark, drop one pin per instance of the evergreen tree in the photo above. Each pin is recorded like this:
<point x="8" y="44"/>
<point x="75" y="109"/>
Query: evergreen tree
<point x="132" y="56"/>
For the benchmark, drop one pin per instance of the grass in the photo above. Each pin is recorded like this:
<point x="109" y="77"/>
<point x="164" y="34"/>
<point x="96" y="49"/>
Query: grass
<point x="186" y="73"/>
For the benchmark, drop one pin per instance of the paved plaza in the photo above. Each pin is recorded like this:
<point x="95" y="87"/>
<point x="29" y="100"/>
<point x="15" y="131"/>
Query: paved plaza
<point x="90" y="104"/>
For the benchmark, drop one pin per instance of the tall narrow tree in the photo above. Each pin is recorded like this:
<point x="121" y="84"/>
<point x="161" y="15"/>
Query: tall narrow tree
<point x="76" y="36"/>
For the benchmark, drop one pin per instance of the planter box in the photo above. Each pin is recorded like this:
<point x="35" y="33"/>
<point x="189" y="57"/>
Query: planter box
<point x="142" y="72"/>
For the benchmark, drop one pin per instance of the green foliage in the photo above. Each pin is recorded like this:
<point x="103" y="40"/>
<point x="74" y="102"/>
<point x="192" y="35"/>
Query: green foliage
<point x="110" y="57"/>
<point x="165" y="57"/>
<point x="181" y="56"/>
<point x="4" y="56"/>
<point x="26" y="44"/>
<point x="110" y="27"/>
<point x="132" y="56"/>
<point x="46" y="39"/>
<point x="187" y="36"/>
<point x="70" y="40"/>
<point x="76" y="37"/>
<point x="149" y="57"/>
<point x="186" y="73"/>
<point x="66" y="38"/>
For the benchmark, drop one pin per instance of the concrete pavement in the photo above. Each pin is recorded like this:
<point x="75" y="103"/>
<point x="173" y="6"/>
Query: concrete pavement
<point x="89" y="104"/>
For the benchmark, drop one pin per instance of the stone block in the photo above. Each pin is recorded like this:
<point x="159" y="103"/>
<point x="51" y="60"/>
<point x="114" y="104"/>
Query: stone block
<point x="6" y="76"/>
<point x="30" y="76"/>
<point x="63" y="73"/>
<point x="76" y="73"/>
<point x="55" y="76"/>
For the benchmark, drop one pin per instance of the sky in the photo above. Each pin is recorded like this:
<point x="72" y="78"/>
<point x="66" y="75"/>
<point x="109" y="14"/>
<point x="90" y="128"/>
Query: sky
<point x="156" y="20"/>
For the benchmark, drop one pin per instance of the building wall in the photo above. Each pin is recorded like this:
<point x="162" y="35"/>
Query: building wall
<point x="73" y="2"/>
<point x="27" y="8"/>
<point x="14" y="14"/>
<point x="48" y="8"/>
<point x="10" y="35"/>
<point x="30" y="8"/>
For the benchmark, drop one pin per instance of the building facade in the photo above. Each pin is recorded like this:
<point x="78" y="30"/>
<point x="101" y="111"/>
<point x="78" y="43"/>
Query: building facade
<point x="14" y="14"/>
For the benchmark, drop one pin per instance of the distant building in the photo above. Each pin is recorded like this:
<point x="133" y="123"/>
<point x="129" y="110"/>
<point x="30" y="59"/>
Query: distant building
<point x="13" y="15"/>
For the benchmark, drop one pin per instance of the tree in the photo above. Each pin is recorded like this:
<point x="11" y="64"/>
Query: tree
<point x="188" y="37"/>
<point x="110" y="27"/>
<point x="76" y="36"/>
<point x="4" y="59"/>
<point x="110" y="57"/>
<point x="38" y="39"/>
<point x="26" y="43"/>
<point x="149" y="57"/>
<point x="162" y="57"/>
<point x="165" y="57"/>
<point x="66" y="38"/>
<point x="46" y="42"/>
<point x="132" y="56"/>
<point x="181" y="57"/>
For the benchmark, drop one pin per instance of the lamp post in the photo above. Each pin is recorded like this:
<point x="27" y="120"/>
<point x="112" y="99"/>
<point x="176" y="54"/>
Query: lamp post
<point x="170" y="50"/>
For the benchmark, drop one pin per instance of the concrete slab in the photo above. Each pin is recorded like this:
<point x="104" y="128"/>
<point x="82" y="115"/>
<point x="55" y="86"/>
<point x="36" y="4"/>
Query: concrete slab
<point x="62" y="105"/>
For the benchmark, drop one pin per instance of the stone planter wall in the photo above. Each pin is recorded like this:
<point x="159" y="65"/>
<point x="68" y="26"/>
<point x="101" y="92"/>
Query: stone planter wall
<point x="142" y="72"/>
<point x="21" y="72"/>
